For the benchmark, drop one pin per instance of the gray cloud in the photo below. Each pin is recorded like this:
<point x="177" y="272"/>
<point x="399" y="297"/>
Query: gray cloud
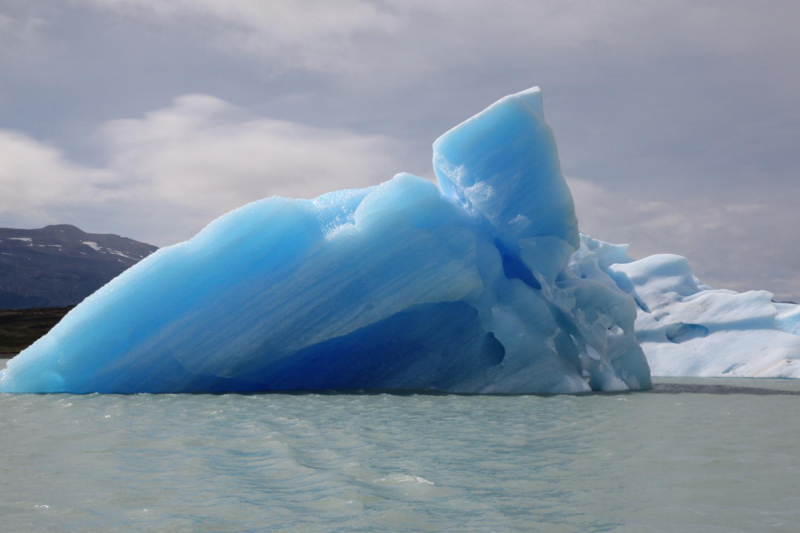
<point x="683" y="114"/>
<point x="734" y="242"/>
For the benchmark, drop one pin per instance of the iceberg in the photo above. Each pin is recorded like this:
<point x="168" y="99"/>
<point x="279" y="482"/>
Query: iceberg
<point x="465" y="287"/>
<point x="687" y="328"/>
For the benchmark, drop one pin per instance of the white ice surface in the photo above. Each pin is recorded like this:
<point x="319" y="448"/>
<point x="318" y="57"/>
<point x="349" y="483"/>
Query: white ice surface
<point x="687" y="328"/>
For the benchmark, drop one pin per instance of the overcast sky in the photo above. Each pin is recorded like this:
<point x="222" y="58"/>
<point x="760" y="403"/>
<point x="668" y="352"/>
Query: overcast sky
<point x="678" y="122"/>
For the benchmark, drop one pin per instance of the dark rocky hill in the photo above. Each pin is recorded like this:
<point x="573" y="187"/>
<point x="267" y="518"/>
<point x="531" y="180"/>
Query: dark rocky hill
<point x="59" y="266"/>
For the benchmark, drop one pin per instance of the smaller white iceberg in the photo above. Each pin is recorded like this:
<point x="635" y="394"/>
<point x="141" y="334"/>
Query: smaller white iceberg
<point x="687" y="328"/>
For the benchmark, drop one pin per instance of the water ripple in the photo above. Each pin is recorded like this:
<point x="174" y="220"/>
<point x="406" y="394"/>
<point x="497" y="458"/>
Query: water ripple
<point x="693" y="455"/>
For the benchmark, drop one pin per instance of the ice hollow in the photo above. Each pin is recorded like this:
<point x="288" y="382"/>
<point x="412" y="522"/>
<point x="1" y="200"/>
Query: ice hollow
<point x="464" y="287"/>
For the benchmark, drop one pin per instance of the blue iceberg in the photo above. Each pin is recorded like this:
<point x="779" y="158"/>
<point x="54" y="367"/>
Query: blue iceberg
<point x="465" y="287"/>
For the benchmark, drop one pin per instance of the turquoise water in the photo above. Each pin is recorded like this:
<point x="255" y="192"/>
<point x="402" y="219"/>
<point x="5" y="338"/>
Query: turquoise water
<point x="695" y="455"/>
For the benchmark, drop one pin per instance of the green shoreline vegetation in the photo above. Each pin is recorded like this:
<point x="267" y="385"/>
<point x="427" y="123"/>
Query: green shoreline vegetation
<point x="19" y="328"/>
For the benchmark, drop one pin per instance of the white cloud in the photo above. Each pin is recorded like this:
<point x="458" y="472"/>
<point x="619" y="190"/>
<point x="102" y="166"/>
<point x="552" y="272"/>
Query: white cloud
<point x="35" y="176"/>
<point x="207" y="154"/>
<point x="177" y="168"/>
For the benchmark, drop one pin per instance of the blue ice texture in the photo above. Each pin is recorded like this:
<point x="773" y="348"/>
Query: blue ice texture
<point x="468" y="287"/>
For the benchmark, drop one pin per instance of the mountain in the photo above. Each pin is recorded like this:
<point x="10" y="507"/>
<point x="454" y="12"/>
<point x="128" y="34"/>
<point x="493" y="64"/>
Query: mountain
<point x="59" y="266"/>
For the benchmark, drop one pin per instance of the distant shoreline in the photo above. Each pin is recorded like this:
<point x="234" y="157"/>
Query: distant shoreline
<point x="19" y="328"/>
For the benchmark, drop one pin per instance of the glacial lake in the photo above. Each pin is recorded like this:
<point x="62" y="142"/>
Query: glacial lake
<point x="711" y="455"/>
